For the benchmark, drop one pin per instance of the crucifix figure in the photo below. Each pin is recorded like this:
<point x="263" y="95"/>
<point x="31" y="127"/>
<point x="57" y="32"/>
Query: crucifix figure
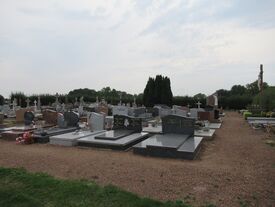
<point x="199" y="104"/>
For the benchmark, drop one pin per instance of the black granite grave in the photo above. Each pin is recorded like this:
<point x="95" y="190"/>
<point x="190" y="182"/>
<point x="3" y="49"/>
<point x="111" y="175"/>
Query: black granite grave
<point x="177" y="140"/>
<point x="28" y="117"/>
<point x="126" y="132"/>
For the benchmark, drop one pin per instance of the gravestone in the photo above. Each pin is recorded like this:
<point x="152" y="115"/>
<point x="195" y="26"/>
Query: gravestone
<point x="126" y="122"/>
<point x="96" y="121"/>
<point x="61" y="121"/>
<point x="212" y="100"/>
<point x="28" y="102"/>
<point x="6" y="109"/>
<point x="28" y="117"/>
<point x="194" y="112"/>
<point x="178" y="124"/>
<point x="20" y="115"/>
<point x="206" y="115"/>
<point x="178" y="110"/>
<point x="136" y="112"/>
<point x="71" y="119"/>
<point x="120" y="110"/>
<point x="176" y="141"/>
<point x="101" y="108"/>
<point x="50" y="116"/>
<point x="163" y="110"/>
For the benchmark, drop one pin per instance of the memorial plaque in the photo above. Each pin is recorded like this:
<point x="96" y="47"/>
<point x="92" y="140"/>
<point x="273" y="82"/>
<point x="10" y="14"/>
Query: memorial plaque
<point x="126" y="122"/>
<point x="178" y="124"/>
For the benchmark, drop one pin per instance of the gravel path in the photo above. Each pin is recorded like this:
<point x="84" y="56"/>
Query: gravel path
<point x="237" y="166"/>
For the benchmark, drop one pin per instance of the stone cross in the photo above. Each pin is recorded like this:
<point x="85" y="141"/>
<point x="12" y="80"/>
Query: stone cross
<point x="199" y="104"/>
<point x="188" y="105"/>
<point x="28" y="102"/>
<point x="56" y="99"/>
<point x="35" y="102"/>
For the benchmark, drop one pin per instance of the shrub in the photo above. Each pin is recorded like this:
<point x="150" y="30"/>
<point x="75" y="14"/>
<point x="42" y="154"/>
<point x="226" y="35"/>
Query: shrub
<point x="247" y="114"/>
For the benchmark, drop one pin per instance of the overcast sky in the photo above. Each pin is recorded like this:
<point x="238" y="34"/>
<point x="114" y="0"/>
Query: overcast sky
<point x="59" y="45"/>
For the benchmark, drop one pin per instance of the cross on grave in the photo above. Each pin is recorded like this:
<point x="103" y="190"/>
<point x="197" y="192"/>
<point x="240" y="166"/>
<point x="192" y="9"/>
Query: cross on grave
<point x="188" y="105"/>
<point x="28" y="102"/>
<point x="56" y="99"/>
<point x="199" y="104"/>
<point x="35" y="106"/>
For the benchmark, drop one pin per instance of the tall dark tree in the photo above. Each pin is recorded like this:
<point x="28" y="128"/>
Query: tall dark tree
<point x="158" y="91"/>
<point x="2" y="100"/>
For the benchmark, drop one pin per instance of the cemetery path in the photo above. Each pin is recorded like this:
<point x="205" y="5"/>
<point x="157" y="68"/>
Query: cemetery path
<point x="236" y="167"/>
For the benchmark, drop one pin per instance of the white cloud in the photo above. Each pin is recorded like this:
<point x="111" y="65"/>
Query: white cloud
<point x="55" y="46"/>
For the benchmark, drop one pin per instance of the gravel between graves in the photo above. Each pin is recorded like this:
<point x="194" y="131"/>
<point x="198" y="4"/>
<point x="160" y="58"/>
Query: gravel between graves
<point x="237" y="166"/>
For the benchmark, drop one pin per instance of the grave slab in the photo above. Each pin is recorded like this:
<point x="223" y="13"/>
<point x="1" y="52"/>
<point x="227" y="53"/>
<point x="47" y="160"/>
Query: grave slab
<point x="208" y="135"/>
<point x="42" y="136"/>
<point x="70" y="139"/>
<point x="214" y="125"/>
<point x="118" y="144"/>
<point x="175" y="142"/>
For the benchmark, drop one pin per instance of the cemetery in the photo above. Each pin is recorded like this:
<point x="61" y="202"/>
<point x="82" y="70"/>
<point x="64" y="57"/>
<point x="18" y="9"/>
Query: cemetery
<point x="137" y="103"/>
<point x="163" y="131"/>
<point x="94" y="139"/>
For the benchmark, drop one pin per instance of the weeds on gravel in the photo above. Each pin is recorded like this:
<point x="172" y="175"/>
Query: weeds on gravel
<point x="270" y="143"/>
<point x="22" y="189"/>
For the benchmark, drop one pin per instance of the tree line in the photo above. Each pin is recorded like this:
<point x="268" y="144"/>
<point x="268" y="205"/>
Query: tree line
<point x="158" y="91"/>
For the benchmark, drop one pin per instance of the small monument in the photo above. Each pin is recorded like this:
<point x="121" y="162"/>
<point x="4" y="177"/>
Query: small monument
<point x="35" y="105"/>
<point x="199" y="104"/>
<point x="28" y="102"/>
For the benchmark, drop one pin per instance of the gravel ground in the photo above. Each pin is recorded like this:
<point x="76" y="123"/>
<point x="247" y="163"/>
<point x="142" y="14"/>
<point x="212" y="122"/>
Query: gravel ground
<point x="236" y="167"/>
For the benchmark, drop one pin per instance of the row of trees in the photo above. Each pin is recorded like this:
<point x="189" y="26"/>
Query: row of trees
<point x="110" y="95"/>
<point x="158" y="91"/>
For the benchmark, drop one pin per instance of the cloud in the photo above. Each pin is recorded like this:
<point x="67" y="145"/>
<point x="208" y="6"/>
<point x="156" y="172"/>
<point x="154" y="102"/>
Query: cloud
<point x="55" y="46"/>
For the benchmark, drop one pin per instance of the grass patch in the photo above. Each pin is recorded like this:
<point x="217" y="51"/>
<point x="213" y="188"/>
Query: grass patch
<point x="22" y="189"/>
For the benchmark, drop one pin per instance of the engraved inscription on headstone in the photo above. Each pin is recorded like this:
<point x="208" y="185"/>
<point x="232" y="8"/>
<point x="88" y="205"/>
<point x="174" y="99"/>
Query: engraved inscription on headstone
<point x="178" y="124"/>
<point x="126" y="122"/>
